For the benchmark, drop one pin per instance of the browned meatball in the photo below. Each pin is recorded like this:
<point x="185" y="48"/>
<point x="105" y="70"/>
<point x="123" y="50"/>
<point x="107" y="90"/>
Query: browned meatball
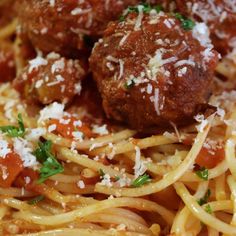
<point x="60" y="25"/>
<point x="7" y="63"/>
<point x="50" y="79"/>
<point x="151" y="71"/>
<point x="7" y="12"/>
<point x="219" y="15"/>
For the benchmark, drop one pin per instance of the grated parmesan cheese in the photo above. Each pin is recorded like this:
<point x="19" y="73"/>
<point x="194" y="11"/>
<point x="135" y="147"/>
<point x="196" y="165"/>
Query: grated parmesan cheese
<point x="35" y="134"/>
<point x="182" y="71"/>
<point x="54" y="110"/>
<point x="81" y="184"/>
<point x="101" y="130"/>
<point x="78" y="135"/>
<point x="139" y="19"/>
<point x="78" y="88"/>
<point x="52" y="3"/>
<point x="156" y="101"/>
<point x="4" y="149"/>
<point x="58" y="65"/>
<point x="35" y="63"/>
<point x="139" y="167"/>
<point x="202" y="34"/>
<point x="52" y="128"/>
<point x="203" y="122"/>
<point x="156" y="62"/>
<point x="23" y="148"/>
<point x="4" y="171"/>
<point x="106" y="181"/>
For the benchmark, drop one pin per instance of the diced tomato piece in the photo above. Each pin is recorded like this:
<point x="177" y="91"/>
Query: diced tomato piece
<point x="189" y="139"/>
<point x="89" y="177"/>
<point x="210" y="158"/>
<point x="104" y="161"/>
<point x="27" y="179"/>
<point x="43" y="189"/>
<point x="90" y="181"/>
<point x="10" y="167"/>
<point x="66" y="130"/>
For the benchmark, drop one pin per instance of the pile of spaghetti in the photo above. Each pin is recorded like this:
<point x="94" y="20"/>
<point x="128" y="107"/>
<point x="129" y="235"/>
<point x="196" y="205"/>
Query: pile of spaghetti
<point x="114" y="181"/>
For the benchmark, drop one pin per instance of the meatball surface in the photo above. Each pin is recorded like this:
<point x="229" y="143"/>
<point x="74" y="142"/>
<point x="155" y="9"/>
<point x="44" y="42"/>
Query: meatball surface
<point x="151" y="71"/>
<point x="220" y="17"/>
<point x="7" y="62"/>
<point x="50" y="79"/>
<point x="61" y="25"/>
<point x="7" y="12"/>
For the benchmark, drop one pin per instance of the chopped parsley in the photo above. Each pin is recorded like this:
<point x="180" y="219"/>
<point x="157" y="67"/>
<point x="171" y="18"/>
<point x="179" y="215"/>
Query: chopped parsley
<point x="208" y="209"/>
<point x="129" y="84"/>
<point x="117" y="178"/>
<point x="122" y="18"/>
<point x="14" y="131"/>
<point x="186" y="23"/>
<point x="141" y="180"/>
<point x="158" y="8"/>
<point x="202" y="173"/>
<point x="50" y="166"/>
<point x="204" y="199"/>
<point x="101" y="173"/>
<point x="35" y="200"/>
<point x="146" y="8"/>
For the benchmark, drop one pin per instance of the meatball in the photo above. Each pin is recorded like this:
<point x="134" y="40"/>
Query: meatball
<point x="50" y="79"/>
<point x="7" y="62"/>
<point x="7" y="12"/>
<point x="63" y="26"/>
<point x="152" y="69"/>
<point x="219" y="15"/>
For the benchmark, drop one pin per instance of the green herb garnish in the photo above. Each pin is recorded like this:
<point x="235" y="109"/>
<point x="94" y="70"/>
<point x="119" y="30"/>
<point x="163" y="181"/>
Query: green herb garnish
<point x="202" y="173"/>
<point x="117" y="178"/>
<point x="186" y="23"/>
<point x="101" y="173"/>
<point x="146" y="8"/>
<point x="14" y="131"/>
<point x="122" y="18"/>
<point x="141" y="180"/>
<point x="204" y="199"/>
<point x="129" y="84"/>
<point x="208" y="209"/>
<point x="35" y="200"/>
<point x="158" y="8"/>
<point x="50" y="166"/>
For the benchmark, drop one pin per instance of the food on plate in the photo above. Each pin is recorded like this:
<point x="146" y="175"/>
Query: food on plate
<point x="117" y="117"/>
